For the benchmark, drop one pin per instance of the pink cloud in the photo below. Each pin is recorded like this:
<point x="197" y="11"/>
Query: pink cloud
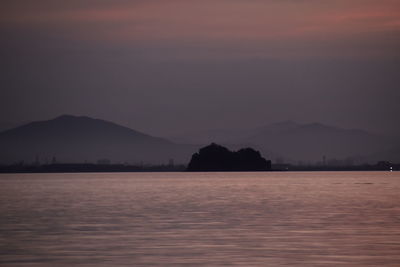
<point x="232" y="23"/>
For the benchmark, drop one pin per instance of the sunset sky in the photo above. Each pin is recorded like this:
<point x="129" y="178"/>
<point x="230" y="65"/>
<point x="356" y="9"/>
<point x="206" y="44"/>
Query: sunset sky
<point x="165" y="66"/>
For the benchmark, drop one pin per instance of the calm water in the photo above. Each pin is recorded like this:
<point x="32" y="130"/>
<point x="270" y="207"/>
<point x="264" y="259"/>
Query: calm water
<point x="200" y="219"/>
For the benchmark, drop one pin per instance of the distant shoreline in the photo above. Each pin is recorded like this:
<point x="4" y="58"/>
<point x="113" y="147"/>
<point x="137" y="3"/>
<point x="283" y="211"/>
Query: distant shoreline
<point x="112" y="168"/>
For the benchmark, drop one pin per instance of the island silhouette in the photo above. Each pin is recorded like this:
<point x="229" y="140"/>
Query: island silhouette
<point x="215" y="157"/>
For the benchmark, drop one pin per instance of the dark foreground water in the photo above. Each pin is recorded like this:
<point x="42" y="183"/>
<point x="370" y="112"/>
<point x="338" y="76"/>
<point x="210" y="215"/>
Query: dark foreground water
<point x="200" y="219"/>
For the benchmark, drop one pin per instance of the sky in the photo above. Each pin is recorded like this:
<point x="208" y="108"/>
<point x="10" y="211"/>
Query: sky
<point x="170" y="66"/>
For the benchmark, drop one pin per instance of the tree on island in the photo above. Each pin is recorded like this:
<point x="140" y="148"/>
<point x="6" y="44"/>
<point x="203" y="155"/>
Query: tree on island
<point x="218" y="158"/>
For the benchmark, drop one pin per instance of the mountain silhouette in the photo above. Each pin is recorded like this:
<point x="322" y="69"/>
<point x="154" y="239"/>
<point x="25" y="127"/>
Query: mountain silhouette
<point x="310" y="142"/>
<point x="293" y="141"/>
<point x="78" y="139"/>
<point x="8" y="125"/>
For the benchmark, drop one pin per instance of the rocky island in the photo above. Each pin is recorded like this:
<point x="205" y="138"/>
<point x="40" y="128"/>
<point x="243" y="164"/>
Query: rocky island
<point x="218" y="158"/>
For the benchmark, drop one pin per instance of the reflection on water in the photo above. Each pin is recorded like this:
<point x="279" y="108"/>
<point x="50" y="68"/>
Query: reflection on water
<point x="200" y="219"/>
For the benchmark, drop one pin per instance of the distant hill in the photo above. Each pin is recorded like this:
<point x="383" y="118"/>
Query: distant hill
<point x="79" y="139"/>
<point x="292" y="141"/>
<point x="7" y="125"/>
<point x="310" y="142"/>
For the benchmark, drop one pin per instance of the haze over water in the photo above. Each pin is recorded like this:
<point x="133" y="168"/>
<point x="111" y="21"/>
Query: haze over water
<point x="200" y="219"/>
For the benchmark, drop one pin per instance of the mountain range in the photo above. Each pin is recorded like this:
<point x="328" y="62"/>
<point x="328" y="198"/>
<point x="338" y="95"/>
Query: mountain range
<point x="83" y="139"/>
<point x="310" y="142"/>
<point x="316" y="141"/>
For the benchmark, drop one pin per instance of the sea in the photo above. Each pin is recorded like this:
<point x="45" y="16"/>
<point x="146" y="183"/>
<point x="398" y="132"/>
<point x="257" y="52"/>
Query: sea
<point x="200" y="219"/>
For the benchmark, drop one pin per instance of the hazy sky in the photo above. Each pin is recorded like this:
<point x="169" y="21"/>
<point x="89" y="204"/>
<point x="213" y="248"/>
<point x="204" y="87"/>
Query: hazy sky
<point x="165" y="66"/>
